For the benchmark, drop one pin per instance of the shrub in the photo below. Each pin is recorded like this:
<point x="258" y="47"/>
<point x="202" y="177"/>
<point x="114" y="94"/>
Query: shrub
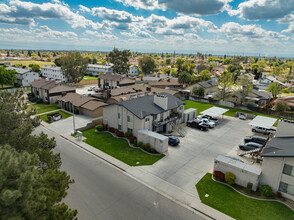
<point x="266" y="190"/>
<point x="33" y="99"/>
<point x="132" y="139"/>
<point x="286" y="90"/>
<point x="119" y="134"/>
<point x="30" y="95"/>
<point x="39" y="101"/>
<point x="279" y="195"/>
<point x="128" y="135"/>
<point x="76" y="111"/>
<point x="147" y="147"/>
<point x="153" y="151"/>
<point x="140" y="144"/>
<point x="111" y="129"/>
<point x="105" y="126"/>
<point x="249" y="187"/>
<point x="99" y="128"/>
<point x="230" y="178"/>
<point x="218" y="175"/>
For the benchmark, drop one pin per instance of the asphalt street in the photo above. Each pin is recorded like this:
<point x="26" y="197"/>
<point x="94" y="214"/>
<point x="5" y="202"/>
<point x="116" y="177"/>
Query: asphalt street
<point x="102" y="191"/>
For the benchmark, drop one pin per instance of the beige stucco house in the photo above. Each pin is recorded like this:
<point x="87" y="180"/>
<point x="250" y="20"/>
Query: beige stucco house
<point x="278" y="161"/>
<point x="112" y="81"/>
<point x="50" y="90"/>
<point x="158" y="113"/>
<point x="81" y="104"/>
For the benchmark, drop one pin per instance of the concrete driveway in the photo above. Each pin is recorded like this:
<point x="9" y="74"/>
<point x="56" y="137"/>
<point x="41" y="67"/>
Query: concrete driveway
<point x="66" y="125"/>
<point x="186" y="164"/>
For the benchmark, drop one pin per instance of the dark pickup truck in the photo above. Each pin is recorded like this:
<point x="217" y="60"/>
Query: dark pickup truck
<point x="195" y="124"/>
<point x="256" y="139"/>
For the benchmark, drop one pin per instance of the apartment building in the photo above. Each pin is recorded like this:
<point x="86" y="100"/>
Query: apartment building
<point x="96" y="69"/>
<point x="158" y="113"/>
<point x="53" y="73"/>
<point x="24" y="75"/>
<point x="278" y="161"/>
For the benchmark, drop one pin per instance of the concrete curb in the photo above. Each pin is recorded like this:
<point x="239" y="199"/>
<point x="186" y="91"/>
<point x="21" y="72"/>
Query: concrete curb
<point x="172" y="192"/>
<point x="267" y="200"/>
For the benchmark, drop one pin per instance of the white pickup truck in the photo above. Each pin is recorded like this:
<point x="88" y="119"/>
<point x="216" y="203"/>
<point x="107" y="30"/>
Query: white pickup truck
<point x="263" y="130"/>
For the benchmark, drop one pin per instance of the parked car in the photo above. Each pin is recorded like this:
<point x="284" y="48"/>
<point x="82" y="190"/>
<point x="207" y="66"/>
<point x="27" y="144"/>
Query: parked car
<point x="206" y="121"/>
<point x="256" y="139"/>
<point x="195" y="124"/>
<point x="99" y="90"/>
<point x="263" y="130"/>
<point x="242" y="116"/>
<point x="249" y="146"/>
<point x="215" y="120"/>
<point x="173" y="141"/>
<point x="91" y="88"/>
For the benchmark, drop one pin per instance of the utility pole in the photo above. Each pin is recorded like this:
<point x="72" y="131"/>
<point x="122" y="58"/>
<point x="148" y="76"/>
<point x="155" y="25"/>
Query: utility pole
<point x="73" y="118"/>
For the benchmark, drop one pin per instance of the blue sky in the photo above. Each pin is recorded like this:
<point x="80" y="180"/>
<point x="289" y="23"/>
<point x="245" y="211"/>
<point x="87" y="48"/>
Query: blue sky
<point x="249" y="27"/>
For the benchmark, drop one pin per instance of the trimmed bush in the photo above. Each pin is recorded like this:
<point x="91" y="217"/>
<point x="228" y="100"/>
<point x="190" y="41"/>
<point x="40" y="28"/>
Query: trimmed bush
<point x="119" y="134"/>
<point x="128" y="135"/>
<point x="99" y="128"/>
<point x="33" y="99"/>
<point x="249" y="187"/>
<point x="132" y="139"/>
<point x="39" y="101"/>
<point x="153" y="151"/>
<point x="266" y="190"/>
<point x="230" y="178"/>
<point x="111" y="129"/>
<point x="218" y="175"/>
<point x="140" y="144"/>
<point x="279" y="195"/>
<point x="147" y="147"/>
<point x="105" y="126"/>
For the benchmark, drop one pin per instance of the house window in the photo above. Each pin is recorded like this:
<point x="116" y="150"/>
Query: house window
<point x="129" y="118"/>
<point x="130" y="130"/>
<point x="286" y="188"/>
<point x="146" y="119"/>
<point x="119" y="127"/>
<point x="118" y="115"/>
<point x="288" y="170"/>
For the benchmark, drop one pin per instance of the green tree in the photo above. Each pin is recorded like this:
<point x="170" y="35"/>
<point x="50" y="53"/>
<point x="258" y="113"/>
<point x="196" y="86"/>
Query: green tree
<point x="184" y="78"/>
<point x="276" y="71"/>
<point x="120" y="60"/>
<point x="245" y="87"/>
<point x="74" y="66"/>
<point x="168" y="61"/>
<point x="198" y="91"/>
<point x="29" y="53"/>
<point x="8" y="53"/>
<point x="224" y="84"/>
<point x="57" y="61"/>
<point x="35" y="68"/>
<point x="7" y="77"/>
<point x="281" y="106"/>
<point x="275" y="89"/>
<point x="147" y="64"/>
<point x="31" y="186"/>
<point x="39" y="54"/>
<point x="204" y="75"/>
<point x="227" y="61"/>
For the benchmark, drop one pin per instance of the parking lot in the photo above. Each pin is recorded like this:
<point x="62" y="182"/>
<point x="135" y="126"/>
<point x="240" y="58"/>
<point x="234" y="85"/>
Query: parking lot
<point x="187" y="163"/>
<point x="83" y="89"/>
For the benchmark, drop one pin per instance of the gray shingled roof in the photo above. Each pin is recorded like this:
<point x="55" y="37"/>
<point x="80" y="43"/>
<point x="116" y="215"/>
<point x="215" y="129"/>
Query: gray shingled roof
<point x="282" y="145"/>
<point x="144" y="106"/>
<point x="208" y="84"/>
<point x="261" y="94"/>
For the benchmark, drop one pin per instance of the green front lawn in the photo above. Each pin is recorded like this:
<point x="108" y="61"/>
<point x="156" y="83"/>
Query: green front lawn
<point x="89" y="78"/>
<point x="43" y="108"/>
<point x="200" y="106"/>
<point x="228" y="201"/>
<point x="119" y="148"/>
<point x="44" y="116"/>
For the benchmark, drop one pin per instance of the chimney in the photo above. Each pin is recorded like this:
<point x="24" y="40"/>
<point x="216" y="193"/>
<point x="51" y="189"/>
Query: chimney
<point x="161" y="100"/>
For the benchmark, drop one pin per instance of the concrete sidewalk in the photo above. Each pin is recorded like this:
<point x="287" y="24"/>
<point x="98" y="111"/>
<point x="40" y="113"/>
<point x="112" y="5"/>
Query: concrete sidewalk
<point x="159" y="185"/>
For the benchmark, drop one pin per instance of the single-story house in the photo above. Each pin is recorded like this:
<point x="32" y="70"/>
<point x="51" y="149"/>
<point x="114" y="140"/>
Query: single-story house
<point x="112" y="81"/>
<point x="278" y="161"/>
<point x="167" y="83"/>
<point x="50" y="90"/>
<point x="265" y="81"/>
<point x="158" y="113"/>
<point x="260" y="98"/>
<point x="85" y="105"/>
<point x="210" y="86"/>
<point x="25" y="75"/>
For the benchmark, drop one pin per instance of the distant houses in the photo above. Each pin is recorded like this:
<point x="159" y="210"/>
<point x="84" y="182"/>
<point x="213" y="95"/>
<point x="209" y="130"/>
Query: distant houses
<point x="112" y="81"/>
<point x="25" y="75"/>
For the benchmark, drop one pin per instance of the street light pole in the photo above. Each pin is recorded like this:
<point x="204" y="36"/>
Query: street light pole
<point x="73" y="118"/>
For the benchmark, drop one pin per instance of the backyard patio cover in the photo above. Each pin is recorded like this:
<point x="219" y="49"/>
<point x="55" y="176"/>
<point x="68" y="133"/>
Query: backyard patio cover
<point x="264" y="122"/>
<point x="214" y="111"/>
